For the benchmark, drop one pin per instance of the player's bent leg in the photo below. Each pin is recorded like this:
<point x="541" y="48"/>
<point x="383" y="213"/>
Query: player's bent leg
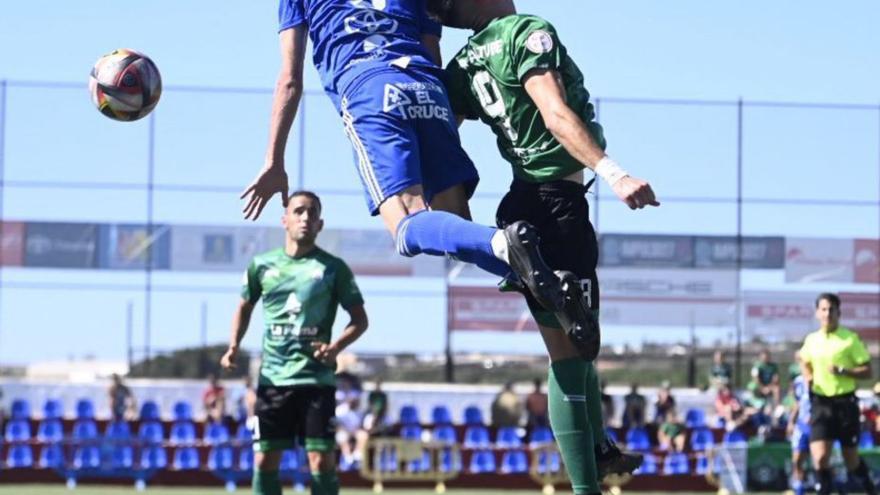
<point x="820" y="451"/>
<point x="857" y="470"/>
<point x="265" y="480"/>
<point x="322" y="464"/>
<point x="576" y="316"/>
<point x="453" y="200"/>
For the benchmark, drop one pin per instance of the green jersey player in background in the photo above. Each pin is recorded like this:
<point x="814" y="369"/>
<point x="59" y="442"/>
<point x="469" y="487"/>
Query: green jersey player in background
<point x="301" y="286"/>
<point x="516" y="76"/>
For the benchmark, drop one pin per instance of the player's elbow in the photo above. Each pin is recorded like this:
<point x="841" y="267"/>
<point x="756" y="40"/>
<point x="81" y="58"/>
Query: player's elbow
<point x="555" y="120"/>
<point x="289" y="84"/>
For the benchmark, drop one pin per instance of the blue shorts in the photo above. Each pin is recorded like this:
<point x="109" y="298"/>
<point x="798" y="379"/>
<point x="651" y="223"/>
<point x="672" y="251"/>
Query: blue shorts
<point x="800" y="438"/>
<point x="404" y="133"/>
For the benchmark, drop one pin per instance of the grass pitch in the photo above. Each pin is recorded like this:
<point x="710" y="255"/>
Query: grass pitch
<point x="114" y="490"/>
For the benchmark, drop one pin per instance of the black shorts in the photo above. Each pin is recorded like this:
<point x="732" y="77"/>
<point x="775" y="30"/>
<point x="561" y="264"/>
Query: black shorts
<point x="300" y="413"/>
<point x="835" y="418"/>
<point x="560" y="212"/>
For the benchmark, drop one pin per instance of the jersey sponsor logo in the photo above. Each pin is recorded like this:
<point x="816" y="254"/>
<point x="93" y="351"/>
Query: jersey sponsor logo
<point x="539" y="42"/>
<point x="370" y="20"/>
<point x="292" y="307"/>
<point x="477" y="53"/>
<point x="284" y="331"/>
<point x="420" y="106"/>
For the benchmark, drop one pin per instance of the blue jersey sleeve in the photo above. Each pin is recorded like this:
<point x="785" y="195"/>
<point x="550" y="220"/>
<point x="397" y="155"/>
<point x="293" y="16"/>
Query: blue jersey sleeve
<point x="428" y="24"/>
<point x="291" y="13"/>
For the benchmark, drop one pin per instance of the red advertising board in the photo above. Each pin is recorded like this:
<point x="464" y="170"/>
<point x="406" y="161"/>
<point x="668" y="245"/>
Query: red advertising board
<point x="11" y="243"/>
<point x="866" y="261"/>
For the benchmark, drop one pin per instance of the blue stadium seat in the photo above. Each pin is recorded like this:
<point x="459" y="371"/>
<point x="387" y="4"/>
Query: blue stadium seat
<point x="695" y="418"/>
<point x="85" y="430"/>
<point x="150" y="432"/>
<point x="735" y="438"/>
<point x="473" y="416"/>
<point x="19" y="456"/>
<point x="866" y="440"/>
<point x="676" y="463"/>
<point x="482" y="461"/>
<point x="409" y="415"/>
<point x="118" y="431"/>
<point x="702" y="464"/>
<point x="18" y="430"/>
<point x="121" y="457"/>
<point x="649" y="465"/>
<point x="53" y="409"/>
<point x="154" y="457"/>
<point x="292" y="460"/>
<point x="388" y="459"/>
<point x="244" y="434"/>
<point x="440" y="415"/>
<point x="50" y="431"/>
<point x="540" y="435"/>
<point x="702" y="439"/>
<point x="476" y="437"/>
<point x="444" y="433"/>
<point x="508" y="438"/>
<point x="246" y="459"/>
<point x="637" y="439"/>
<point x="421" y="464"/>
<point x="85" y="409"/>
<point x="220" y="459"/>
<point x="86" y="457"/>
<point x="548" y="461"/>
<point x="182" y="433"/>
<point x="182" y="411"/>
<point x="52" y="457"/>
<point x="186" y="458"/>
<point x="411" y="432"/>
<point x="149" y="411"/>
<point x="611" y="434"/>
<point x="216" y="433"/>
<point x="449" y="461"/>
<point x="514" y="462"/>
<point x="21" y="409"/>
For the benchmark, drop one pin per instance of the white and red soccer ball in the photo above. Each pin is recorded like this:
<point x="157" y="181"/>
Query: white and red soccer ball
<point x="125" y="85"/>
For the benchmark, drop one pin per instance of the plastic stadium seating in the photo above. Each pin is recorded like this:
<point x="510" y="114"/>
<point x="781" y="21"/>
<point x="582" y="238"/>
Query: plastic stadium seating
<point x="411" y="432"/>
<point x="216" y="433"/>
<point x="182" y="433"/>
<point x="21" y="409"/>
<point x="508" y="438"/>
<point x="153" y="457"/>
<point x="637" y="439"/>
<point x="117" y="431"/>
<point x="186" y="458"/>
<point x="695" y="418"/>
<point x="292" y="459"/>
<point x="52" y="457"/>
<point x="449" y="461"/>
<point x="735" y="438"/>
<point x="702" y="465"/>
<point x="483" y="461"/>
<point x="473" y="416"/>
<point x="476" y="437"/>
<point x="150" y="432"/>
<point x="676" y="463"/>
<point x="86" y="457"/>
<point x="702" y="439"/>
<point x="244" y="434"/>
<point x="649" y="465"/>
<point x="149" y="411"/>
<point x="440" y="415"/>
<point x="548" y="462"/>
<point x="85" y="429"/>
<point x="18" y="430"/>
<point x="409" y="415"/>
<point x="539" y="435"/>
<point x="121" y="457"/>
<point x="444" y="433"/>
<point x="50" y="431"/>
<point x="514" y="461"/>
<point x="246" y="459"/>
<point x="85" y="409"/>
<point x="866" y="440"/>
<point x="19" y="456"/>
<point x="53" y="409"/>
<point x="182" y="411"/>
<point x="220" y="459"/>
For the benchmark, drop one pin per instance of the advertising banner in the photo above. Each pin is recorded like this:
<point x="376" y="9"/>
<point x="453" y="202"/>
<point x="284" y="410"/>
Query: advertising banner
<point x="220" y="248"/>
<point x="60" y="245"/>
<point x="11" y="243"/>
<point x="866" y="261"/>
<point x="646" y="250"/>
<point x="129" y="246"/>
<point x="757" y="252"/>
<point x="818" y="260"/>
<point x="780" y="315"/>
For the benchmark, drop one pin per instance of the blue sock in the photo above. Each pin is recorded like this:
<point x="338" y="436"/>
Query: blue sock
<point x="797" y="487"/>
<point x="440" y="233"/>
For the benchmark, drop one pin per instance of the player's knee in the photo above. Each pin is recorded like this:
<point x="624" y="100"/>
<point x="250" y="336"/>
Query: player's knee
<point x="267" y="461"/>
<point x="322" y="461"/>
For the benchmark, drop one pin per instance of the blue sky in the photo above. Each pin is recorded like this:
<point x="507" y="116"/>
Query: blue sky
<point x="789" y="51"/>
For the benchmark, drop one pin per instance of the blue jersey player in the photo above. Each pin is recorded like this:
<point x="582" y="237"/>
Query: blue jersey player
<point x="799" y="433"/>
<point x="378" y="62"/>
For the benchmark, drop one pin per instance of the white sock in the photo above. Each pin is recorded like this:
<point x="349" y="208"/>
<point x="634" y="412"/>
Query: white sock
<point x="499" y="246"/>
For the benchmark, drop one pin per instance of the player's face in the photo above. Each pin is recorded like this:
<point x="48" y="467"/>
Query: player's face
<point x="303" y="219"/>
<point x="827" y="314"/>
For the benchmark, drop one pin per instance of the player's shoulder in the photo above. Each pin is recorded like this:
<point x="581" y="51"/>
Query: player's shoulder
<point x="329" y="259"/>
<point x="519" y="25"/>
<point x="268" y="257"/>
<point x="847" y="333"/>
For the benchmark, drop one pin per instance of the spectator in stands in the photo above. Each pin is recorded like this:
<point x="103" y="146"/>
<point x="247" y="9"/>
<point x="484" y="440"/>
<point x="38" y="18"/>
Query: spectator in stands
<point x="245" y="400"/>
<point x="350" y="435"/>
<point x="122" y="402"/>
<point x="665" y="403"/>
<point x="214" y="399"/>
<point x="721" y="372"/>
<point x="729" y="408"/>
<point x="376" y="421"/>
<point x="348" y="387"/>
<point x="634" y="406"/>
<point x="507" y="409"/>
<point x="871" y="410"/>
<point x="671" y="432"/>
<point x="536" y="406"/>
<point x="765" y="380"/>
<point x="607" y="404"/>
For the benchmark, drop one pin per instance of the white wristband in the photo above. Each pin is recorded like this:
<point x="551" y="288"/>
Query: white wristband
<point x="610" y="171"/>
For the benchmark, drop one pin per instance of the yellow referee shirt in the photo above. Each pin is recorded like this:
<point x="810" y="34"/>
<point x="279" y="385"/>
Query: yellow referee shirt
<point x="842" y="347"/>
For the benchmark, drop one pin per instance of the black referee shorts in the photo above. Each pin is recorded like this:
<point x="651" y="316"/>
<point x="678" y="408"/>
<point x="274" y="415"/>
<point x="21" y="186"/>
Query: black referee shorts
<point x="835" y="418"/>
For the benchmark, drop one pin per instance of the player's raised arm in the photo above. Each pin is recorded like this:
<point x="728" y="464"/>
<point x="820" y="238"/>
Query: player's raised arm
<point x="546" y="89"/>
<point x="288" y="92"/>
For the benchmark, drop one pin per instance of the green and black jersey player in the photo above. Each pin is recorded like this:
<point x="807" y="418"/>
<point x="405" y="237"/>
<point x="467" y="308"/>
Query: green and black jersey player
<point x="516" y="76"/>
<point x="301" y="286"/>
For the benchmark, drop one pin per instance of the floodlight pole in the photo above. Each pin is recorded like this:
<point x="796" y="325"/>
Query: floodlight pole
<point x="739" y="239"/>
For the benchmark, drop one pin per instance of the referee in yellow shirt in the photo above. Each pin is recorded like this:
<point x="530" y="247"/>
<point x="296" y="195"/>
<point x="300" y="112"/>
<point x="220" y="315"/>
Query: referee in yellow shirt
<point x="833" y="358"/>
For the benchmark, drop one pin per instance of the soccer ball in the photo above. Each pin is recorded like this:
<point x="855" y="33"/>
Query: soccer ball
<point x="125" y="85"/>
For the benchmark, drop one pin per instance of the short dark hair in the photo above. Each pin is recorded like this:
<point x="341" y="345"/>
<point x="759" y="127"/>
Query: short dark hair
<point x="309" y="194"/>
<point x="833" y="300"/>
